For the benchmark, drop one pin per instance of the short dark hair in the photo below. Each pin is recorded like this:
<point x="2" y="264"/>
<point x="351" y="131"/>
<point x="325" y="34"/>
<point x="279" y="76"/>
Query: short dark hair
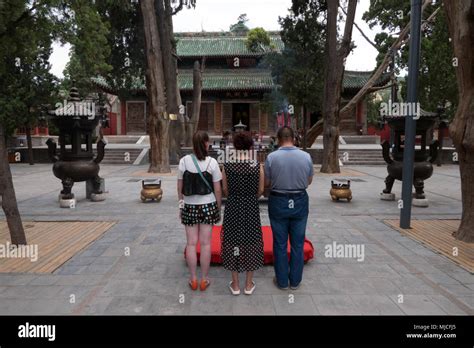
<point x="243" y="141"/>
<point x="285" y="134"/>
<point x="199" y="145"/>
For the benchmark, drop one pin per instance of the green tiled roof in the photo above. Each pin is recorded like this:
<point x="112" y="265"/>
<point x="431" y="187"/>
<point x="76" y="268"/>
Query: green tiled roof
<point x="218" y="45"/>
<point x="225" y="44"/>
<point x="244" y="79"/>
<point x="215" y="80"/>
<point x="228" y="79"/>
<point x="357" y="79"/>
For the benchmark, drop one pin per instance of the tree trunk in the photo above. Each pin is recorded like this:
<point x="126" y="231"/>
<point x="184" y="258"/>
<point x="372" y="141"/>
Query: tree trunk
<point x="173" y="99"/>
<point x="193" y="121"/>
<point x="165" y="29"/>
<point x="158" y="122"/>
<point x="331" y="95"/>
<point x="31" y="159"/>
<point x="177" y="128"/>
<point x="189" y="129"/>
<point x="460" y="15"/>
<point x="7" y="192"/>
<point x="177" y="132"/>
<point x="315" y="130"/>
<point x="197" y="89"/>
<point x="333" y="83"/>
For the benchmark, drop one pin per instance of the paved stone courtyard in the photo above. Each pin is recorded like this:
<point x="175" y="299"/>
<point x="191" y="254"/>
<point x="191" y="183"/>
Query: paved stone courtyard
<point x="101" y="279"/>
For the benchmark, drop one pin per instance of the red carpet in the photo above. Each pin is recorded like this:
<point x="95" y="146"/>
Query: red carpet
<point x="267" y="246"/>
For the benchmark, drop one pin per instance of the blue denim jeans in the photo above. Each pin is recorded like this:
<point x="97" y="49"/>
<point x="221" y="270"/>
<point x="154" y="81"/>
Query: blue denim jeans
<point x="288" y="217"/>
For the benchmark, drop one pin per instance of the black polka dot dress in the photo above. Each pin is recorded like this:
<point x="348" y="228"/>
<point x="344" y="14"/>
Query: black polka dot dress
<point x="242" y="243"/>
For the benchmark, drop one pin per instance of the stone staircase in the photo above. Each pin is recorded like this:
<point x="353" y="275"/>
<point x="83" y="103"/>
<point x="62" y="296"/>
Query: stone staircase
<point x="122" y="139"/>
<point x="362" y="157"/>
<point x="122" y="156"/>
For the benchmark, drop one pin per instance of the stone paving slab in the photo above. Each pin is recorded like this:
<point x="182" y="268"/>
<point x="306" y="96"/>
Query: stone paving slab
<point x="152" y="278"/>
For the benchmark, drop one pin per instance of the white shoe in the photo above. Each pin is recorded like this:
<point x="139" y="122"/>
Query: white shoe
<point x="250" y="292"/>
<point x="234" y="292"/>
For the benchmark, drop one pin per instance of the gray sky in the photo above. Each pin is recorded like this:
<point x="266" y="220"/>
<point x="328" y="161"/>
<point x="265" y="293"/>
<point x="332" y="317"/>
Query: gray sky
<point x="217" y="15"/>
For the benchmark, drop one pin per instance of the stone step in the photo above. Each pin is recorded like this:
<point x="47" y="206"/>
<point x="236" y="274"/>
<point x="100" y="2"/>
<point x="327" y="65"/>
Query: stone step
<point x="365" y="163"/>
<point x="122" y="139"/>
<point x="355" y="159"/>
<point x="367" y="155"/>
<point x="363" y="152"/>
<point x="117" y="156"/>
<point x="120" y="155"/>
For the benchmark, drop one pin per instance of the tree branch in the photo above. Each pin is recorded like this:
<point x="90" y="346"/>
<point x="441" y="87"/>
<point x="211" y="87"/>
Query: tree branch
<point x="386" y="61"/>
<point x="179" y="8"/>
<point x="182" y="3"/>
<point x="375" y="89"/>
<point x="362" y="33"/>
<point x="346" y="39"/>
<point x="426" y="22"/>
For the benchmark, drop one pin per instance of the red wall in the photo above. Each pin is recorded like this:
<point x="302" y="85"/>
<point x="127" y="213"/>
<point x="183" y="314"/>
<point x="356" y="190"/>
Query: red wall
<point x="384" y="133"/>
<point x="112" y="130"/>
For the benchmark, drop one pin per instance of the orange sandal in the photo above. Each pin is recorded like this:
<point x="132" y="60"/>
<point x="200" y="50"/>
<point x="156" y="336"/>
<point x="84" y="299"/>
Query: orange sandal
<point x="193" y="284"/>
<point x="205" y="284"/>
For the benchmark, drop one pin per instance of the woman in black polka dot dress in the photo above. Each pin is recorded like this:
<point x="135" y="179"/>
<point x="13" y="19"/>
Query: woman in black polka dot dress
<point x="242" y="243"/>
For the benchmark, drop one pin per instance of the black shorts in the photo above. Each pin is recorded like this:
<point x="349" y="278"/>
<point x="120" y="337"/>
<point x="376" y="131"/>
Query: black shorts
<point x="193" y="214"/>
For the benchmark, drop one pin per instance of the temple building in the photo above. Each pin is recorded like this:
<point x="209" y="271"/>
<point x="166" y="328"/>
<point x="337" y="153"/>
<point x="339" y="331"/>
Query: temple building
<point x="234" y="86"/>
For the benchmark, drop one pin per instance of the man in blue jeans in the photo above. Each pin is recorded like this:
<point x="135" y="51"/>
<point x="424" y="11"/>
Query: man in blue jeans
<point x="288" y="172"/>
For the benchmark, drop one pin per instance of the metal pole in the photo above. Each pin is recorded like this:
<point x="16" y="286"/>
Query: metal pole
<point x="410" y="122"/>
<point x="393" y="94"/>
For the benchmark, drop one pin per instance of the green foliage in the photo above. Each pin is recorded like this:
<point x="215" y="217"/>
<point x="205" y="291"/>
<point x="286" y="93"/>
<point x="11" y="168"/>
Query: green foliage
<point x="120" y="41"/>
<point x="257" y="40"/>
<point x="127" y="45"/>
<point x="299" y="69"/>
<point x="26" y="36"/>
<point x="90" y="48"/>
<point x="240" y="26"/>
<point x="437" y="80"/>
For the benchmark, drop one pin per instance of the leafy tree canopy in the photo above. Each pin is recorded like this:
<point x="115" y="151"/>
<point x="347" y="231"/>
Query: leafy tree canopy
<point x="299" y="69"/>
<point x="240" y="26"/>
<point x="27" y="31"/>
<point x="437" y="81"/>
<point x="258" y="39"/>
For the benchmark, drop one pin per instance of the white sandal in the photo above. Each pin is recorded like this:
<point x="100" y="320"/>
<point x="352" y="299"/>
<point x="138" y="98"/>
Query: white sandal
<point x="249" y="292"/>
<point x="234" y="292"/>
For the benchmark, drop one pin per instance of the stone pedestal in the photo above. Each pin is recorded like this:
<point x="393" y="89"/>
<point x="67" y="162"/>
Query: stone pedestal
<point x="61" y="197"/>
<point x="421" y="203"/>
<point x="90" y="187"/>
<point x="67" y="203"/>
<point x="387" y="196"/>
<point x="97" y="197"/>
